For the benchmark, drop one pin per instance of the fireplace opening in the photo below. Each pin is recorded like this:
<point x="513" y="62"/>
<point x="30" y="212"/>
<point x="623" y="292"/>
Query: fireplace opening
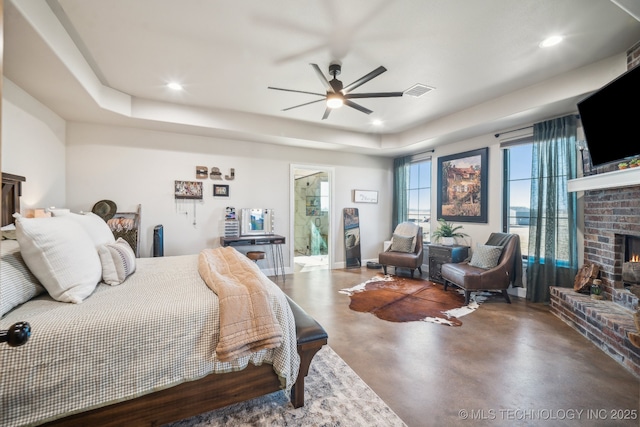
<point x="631" y="264"/>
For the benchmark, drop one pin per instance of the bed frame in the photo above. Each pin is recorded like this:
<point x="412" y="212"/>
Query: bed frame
<point x="193" y="397"/>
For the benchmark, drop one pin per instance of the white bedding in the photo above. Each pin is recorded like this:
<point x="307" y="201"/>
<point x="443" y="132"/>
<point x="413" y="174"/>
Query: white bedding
<point x="157" y="329"/>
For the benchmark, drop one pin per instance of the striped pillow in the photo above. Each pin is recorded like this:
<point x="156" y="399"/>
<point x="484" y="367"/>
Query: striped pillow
<point x="17" y="283"/>
<point x="118" y="261"/>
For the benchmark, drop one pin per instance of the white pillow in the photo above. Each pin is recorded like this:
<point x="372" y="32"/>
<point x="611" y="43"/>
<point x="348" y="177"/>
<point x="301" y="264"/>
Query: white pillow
<point x="17" y="284"/>
<point x="95" y="226"/>
<point x="60" y="253"/>
<point x="118" y="261"/>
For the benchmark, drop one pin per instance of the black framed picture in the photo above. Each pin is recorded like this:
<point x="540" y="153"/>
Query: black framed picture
<point x="462" y="186"/>
<point x="220" y="190"/>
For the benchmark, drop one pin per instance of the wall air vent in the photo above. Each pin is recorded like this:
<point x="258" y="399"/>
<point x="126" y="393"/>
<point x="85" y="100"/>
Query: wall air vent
<point x="417" y="90"/>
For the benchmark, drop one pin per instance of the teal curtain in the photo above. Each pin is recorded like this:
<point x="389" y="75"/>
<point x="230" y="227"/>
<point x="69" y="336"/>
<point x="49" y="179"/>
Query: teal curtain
<point x="400" y="192"/>
<point x="553" y="251"/>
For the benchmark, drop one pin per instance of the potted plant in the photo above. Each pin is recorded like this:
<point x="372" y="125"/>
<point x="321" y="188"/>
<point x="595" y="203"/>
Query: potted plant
<point x="447" y="232"/>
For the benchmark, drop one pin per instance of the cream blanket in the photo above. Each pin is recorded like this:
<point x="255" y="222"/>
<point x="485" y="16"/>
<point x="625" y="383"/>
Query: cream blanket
<point x="247" y="322"/>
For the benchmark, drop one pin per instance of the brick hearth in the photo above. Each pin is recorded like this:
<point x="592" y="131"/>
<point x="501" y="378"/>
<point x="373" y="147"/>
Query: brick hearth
<point x="604" y="323"/>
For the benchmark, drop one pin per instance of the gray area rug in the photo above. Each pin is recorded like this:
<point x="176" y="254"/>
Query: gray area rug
<point x="334" y="396"/>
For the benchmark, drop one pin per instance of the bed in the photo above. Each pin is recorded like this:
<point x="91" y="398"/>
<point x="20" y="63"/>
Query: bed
<point x="142" y="352"/>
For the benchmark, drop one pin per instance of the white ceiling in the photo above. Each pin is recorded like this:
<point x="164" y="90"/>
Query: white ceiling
<point x="109" y="61"/>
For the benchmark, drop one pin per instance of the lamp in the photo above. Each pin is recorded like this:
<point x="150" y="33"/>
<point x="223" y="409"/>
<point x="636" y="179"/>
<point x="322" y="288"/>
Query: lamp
<point x="334" y="100"/>
<point x="37" y="213"/>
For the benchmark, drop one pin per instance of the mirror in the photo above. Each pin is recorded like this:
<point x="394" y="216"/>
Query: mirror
<point x="352" y="237"/>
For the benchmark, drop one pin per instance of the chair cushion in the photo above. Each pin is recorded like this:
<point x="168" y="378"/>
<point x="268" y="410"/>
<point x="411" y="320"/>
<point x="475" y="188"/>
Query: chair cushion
<point x="401" y="243"/>
<point x="486" y="256"/>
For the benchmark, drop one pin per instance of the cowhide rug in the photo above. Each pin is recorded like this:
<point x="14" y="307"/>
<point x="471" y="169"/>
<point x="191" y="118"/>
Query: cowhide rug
<point x="402" y="299"/>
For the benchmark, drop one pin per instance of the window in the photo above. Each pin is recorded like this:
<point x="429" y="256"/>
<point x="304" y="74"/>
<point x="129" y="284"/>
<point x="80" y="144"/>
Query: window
<point x="419" y="195"/>
<point x="517" y="192"/>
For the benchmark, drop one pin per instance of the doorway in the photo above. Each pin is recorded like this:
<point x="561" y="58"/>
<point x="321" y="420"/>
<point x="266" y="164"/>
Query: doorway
<point x="311" y="200"/>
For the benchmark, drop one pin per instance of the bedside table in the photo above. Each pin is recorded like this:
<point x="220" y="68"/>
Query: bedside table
<point x="442" y="254"/>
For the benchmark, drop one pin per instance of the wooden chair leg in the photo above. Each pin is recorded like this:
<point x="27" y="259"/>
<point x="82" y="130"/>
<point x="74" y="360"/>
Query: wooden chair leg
<point x="420" y="270"/>
<point x="506" y="296"/>
<point x="446" y="284"/>
<point x="384" y="268"/>
<point x="467" y="297"/>
<point x="412" y="270"/>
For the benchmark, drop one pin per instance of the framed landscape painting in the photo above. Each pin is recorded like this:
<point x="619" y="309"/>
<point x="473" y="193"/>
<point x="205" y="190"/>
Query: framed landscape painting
<point x="462" y="186"/>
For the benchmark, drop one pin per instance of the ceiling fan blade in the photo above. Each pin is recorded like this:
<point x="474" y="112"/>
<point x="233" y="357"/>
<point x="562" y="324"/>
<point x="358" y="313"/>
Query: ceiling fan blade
<point x="302" y="105"/>
<point x="357" y="106"/>
<point x="322" y="78"/>
<point x="372" y="95"/>
<point x="326" y="113"/>
<point x="297" y="91"/>
<point x="362" y="80"/>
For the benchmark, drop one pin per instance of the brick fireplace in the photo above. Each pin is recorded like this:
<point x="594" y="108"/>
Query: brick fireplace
<point x="611" y="222"/>
<point x="611" y="215"/>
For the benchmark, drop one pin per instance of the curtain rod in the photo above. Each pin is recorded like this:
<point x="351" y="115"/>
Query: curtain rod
<point x="497" y="135"/>
<point x="529" y="127"/>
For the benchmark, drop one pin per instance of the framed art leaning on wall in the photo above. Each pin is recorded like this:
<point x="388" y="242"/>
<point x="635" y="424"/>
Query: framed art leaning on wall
<point x="462" y="186"/>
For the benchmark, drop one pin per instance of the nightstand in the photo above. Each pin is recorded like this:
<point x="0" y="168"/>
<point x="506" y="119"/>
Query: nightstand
<point x="442" y="254"/>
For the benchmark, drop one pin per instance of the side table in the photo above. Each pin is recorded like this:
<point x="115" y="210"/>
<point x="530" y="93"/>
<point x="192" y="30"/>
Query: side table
<point x="442" y="254"/>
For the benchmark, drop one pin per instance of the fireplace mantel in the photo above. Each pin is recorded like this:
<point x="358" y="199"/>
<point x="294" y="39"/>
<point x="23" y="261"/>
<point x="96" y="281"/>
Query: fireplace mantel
<point x="620" y="178"/>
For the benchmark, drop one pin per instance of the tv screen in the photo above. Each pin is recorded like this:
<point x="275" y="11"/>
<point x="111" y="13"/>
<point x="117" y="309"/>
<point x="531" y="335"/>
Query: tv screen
<point x="610" y="119"/>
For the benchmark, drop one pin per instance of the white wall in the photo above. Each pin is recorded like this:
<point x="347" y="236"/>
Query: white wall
<point x="134" y="166"/>
<point x="33" y="145"/>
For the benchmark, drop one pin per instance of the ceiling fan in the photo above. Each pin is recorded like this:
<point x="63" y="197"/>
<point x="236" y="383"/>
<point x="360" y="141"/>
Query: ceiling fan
<point x="337" y="94"/>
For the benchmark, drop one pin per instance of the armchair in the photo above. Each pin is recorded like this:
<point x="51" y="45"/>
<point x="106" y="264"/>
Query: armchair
<point x="469" y="276"/>
<point x="405" y="250"/>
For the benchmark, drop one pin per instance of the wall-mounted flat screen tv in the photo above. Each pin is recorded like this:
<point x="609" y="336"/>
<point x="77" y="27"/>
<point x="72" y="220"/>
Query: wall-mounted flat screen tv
<point x="610" y="119"/>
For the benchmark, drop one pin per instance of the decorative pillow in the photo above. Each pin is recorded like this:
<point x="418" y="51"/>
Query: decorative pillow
<point x="17" y="283"/>
<point x="118" y="261"/>
<point x="95" y="226"/>
<point x="402" y="243"/>
<point x="61" y="255"/>
<point x="486" y="256"/>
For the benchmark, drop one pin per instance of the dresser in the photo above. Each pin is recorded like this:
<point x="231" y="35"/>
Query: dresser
<point x="442" y="254"/>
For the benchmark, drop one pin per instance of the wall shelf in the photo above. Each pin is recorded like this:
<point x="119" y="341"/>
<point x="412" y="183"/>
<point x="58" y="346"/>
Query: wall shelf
<point x="614" y="179"/>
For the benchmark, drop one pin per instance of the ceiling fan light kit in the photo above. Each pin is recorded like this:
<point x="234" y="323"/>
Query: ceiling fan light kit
<point x="338" y="95"/>
<point x="334" y="100"/>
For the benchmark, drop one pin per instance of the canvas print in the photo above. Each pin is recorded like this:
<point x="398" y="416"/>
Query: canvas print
<point x="462" y="188"/>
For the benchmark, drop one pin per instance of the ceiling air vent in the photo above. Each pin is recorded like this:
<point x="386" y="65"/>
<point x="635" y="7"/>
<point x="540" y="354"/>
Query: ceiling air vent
<point x="417" y="90"/>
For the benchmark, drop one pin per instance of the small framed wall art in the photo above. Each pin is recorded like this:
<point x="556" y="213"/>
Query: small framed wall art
<point x="220" y="190"/>
<point x="188" y="189"/>
<point x="365" y="196"/>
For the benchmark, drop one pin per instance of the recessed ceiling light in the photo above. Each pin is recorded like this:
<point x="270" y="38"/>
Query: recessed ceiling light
<point x="377" y="122"/>
<point x="551" y="41"/>
<point x="174" y="86"/>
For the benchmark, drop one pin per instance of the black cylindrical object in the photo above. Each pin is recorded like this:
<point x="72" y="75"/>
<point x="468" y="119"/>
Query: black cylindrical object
<point x="158" y="241"/>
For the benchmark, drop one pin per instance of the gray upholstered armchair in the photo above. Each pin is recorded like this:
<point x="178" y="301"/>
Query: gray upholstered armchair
<point x="481" y="273"/>
<point x="405" y="250"/>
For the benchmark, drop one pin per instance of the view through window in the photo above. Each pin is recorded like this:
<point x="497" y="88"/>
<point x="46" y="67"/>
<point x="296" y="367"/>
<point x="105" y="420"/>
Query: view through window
<point x="419" y="196"/>
<point x="517" y="192"/>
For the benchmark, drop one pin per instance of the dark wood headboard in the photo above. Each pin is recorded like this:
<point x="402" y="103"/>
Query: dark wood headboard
<point x="11" y="192"/>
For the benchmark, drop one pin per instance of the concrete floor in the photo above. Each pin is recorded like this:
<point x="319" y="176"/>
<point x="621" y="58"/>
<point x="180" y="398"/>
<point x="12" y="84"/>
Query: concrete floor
<point x="508" y="364"/>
